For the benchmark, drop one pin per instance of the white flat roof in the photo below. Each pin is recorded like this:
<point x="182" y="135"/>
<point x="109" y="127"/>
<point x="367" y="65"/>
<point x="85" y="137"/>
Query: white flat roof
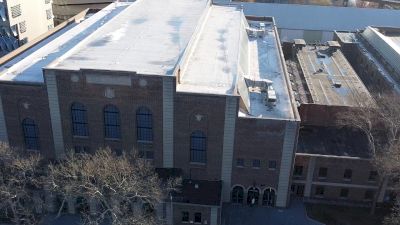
<point x="326" y="18"/>
<point x="267" y="65"/>
<point x="27" y="67"/>
<point x="212" y="63"/>
<point x="148" y="38"/>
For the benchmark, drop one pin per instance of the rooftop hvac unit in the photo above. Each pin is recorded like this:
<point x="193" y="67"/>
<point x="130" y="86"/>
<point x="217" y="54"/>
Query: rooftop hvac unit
<point x="337" y="84"/>
<point x="271" y="95"/>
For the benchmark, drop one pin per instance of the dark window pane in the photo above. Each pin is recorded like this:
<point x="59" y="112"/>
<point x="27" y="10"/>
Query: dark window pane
<point x="272" y="164"/>
<point x="197" y="217"/>
<point x="256" y="163"/>
<point x="298" y="171"/>
<point x="319" y="191"/>
<point x="30" y="134"/>
<point x="79" y="120"/>
<point x="348" y="174"/>
<point x="372" y="176"/>
<point x="323" y="172"/>
<point x="198" y="143"/>
<point x="144" y="121"/>
<point x="369" y="194"/>
<point x="344" y="192"/>
<point x="112" y="122"/>
<point x="185" y="216"/>
<point x="240" y="162"/>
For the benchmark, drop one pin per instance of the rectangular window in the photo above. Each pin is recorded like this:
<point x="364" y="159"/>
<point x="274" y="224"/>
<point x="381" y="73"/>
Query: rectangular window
<point x="272" y="165"/>
<point x="256" y="163"/>
<point x="298" y="171"/>
<point x="319" y="191"/>
<point x="185" y="217"/>
<point x="323" y="172"/>
<point x="344" y="193"/>
<point x="348" y="173"/>
<point x="81" y="149"/>
<point x="197" y="217"/>
<point x="146" y="151"/>
<point x="369" y="194"/>
<point x="49" y="14"/>
<point x="240" y="162"/>
<point x="16" y="11"/>
<point x="22" y="27"/>
<point x="372" y="176"/>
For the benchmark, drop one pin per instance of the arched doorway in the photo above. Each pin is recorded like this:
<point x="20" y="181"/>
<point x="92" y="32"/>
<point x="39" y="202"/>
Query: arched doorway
<point x="269" y="197"/>
<point x="237" y="195"/>
<point x="252" y="196"/>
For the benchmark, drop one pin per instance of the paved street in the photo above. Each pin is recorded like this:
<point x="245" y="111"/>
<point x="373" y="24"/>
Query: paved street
<point x="244" y="215"/>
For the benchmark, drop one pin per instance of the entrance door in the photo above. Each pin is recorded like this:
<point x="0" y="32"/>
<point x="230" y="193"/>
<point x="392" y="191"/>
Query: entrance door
<point x="269" y="197"/>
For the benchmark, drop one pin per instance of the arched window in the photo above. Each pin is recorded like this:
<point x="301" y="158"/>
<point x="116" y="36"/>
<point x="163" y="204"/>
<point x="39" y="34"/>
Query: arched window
<point x="252" y="196"/>
<point x="144" y="125"/>
<point x="198" y="146"/>
<point x="112" y="122"/>
<point x="237" y="195"/>
<point x="79" y="120"/>
<point x="31" y="136"/>
<point x="269" y="197"/>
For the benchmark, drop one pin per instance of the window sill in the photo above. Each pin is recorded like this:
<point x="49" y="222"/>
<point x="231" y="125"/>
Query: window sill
<point x="80" y="137"/>
<point x="347" y="180"/>
<point x="112" y="139"/>
<point x="319" y="196"/>
<point x="321" y="178"/>
<point x="241" y="167"/>
<point x="145" y="142"/>
<point x="271" y="169"/>
<point x="198" y="164"/>
<point x="256" y="168"/>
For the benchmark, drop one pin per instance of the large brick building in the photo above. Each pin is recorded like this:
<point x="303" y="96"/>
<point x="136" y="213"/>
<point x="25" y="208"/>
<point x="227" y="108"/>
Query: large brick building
<point x="190" y="86"/>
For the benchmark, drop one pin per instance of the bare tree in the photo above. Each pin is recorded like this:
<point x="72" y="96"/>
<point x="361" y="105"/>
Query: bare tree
<point x="380" y="123"/>
<point x="125" y="189"/>
<point x="394" y="217"/>
<point x="20" y="180"/>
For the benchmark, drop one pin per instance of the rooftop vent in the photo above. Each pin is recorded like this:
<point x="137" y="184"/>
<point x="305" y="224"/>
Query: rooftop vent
<point x="300" y="43"/>
<point x="271" y="95"/>
<point x="337" y="84"/>
<point x="333" y="45"/>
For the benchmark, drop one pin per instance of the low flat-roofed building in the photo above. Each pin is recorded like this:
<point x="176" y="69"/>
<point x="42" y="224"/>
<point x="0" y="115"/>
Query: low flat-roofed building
<point x="325" y="83"/>
<point x="375" y="54"/>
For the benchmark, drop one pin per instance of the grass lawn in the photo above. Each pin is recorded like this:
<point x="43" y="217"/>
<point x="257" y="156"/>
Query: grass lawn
<point x="342" y="215"/>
